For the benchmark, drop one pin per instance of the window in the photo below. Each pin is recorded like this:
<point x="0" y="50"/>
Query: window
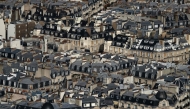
<point x="6" y="54"/>
<point x="20" y="85"/>
<point x="146" y="75"/>
<point x="33" y="69"/>
<point x="152" y="76"/>
<point x="25" y="67"/>
<point x="66" y="73"/>
<point x="14" y="84"/>
<point x="139" y="80"/>
<point x="38" y="85"/>
<point x="12" y="56"/>
<point x="44" y="83"/>
<point x="71" y="86"/>
<point x="135" y="107"/>
<point x="88" y="70"/>
<point x="140" y="74"/>
<point x="9" y="83"/>
<point x="111" y="96"/>
<point x="28" y="68"/>
<point x="119" y="27"/>
<point x="164" y="104"/>
<point x="117" y="97"/>
<point x="49" y="82"/>
<point x="133" y="73"/>
<point x="129" y="105"/>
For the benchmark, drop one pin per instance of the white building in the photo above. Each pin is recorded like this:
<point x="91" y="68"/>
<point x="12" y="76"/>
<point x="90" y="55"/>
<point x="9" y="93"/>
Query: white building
<point x="11" y="31"/>
<point x="2" y="31"/>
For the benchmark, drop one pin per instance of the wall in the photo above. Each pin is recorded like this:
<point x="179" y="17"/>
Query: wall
<point x="15" y="44"/>
<point x="2" y="32"/>
<point x="11" y="31"/>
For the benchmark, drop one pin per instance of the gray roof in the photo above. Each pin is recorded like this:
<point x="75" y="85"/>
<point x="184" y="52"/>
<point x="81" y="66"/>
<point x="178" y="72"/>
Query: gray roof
<point x="81" y="83"/>
<point x="28" y="81"/>
<point x="38" y="26"/>
<point x="36" y="104"/>
<point x="67" y="105"/>
<point x="89" y="99"/>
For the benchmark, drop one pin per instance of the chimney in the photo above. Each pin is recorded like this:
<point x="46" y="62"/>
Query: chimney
<point x="177" y="41"/>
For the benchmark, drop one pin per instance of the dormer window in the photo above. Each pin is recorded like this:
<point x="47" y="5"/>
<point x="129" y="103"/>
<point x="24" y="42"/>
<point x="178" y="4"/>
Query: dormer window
<point x="133" y="73"/>
<point x="66" y="73"/>
<point x="14" y="84"/>
<point x="77" y="68"/>
<point x="119" y="27"/>
<point x="56" y="34"/>
<point x="88" y="70"/>
<point x="6" y="54"/>
<point x="140" y="74"/>
<point x="112" y="96"/>
<point x="25" y="67"/>
<point x="146" y="75"/>
<point x="150" y="26"/>
<point x="152" y="76"/>
<point x="9" y="83"/>
<point x="33" y="69"/>
<point x="125" y="65"/>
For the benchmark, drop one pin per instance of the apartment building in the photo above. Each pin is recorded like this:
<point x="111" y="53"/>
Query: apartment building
<point x="85" y="37"/>
<point x="19" y="29"/>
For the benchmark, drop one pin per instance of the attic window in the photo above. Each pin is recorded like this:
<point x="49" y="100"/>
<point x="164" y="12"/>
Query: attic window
<point x="6" y="54"/>
<point x="140" y="74"/>
<point x="78" y="30"/>
<point x="146" y="75"/>
<point x="12" y="56"/>
<point x="33" y="69"/>
<point x="9" y="83"/>
<point x="56" y="34"/>
<point x="66" y="73"/>
<point x="14" y="84"/>
<point x="152" y="76"/>
<point x="47" y="26"/>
